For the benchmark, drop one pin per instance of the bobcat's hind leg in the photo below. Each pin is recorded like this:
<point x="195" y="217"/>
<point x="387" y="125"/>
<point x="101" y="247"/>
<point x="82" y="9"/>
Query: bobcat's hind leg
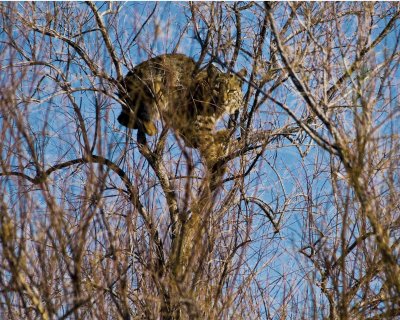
<point x="149" y="127"/>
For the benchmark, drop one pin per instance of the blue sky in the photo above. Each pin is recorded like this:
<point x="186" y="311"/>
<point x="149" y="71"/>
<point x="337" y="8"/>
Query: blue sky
<point x="282" y="178"/>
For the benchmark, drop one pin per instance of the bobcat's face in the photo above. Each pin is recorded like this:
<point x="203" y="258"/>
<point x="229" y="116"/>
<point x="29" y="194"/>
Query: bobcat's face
<point x="230" y="95"/>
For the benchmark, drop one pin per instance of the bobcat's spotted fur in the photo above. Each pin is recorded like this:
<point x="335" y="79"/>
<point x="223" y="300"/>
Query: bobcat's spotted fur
<point x="189" y="103"/>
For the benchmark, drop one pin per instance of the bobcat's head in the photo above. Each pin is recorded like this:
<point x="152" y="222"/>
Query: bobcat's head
<point x="230" y="91"/>
<point x="227" y="88"/>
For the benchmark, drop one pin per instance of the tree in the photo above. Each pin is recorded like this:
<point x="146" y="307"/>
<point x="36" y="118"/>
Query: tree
<point x="305" y="222"/>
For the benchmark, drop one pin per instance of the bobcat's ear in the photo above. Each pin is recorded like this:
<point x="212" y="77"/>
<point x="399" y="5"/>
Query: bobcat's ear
<point x="212" y="71"/>
<point x="242" y="73"/>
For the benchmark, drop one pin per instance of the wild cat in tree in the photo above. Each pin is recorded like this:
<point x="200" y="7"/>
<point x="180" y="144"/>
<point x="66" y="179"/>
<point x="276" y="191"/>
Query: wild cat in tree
<point x="166" y="86"/>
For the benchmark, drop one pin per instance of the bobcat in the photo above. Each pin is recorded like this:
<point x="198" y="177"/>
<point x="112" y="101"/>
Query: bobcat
<point x="190" y="103"/>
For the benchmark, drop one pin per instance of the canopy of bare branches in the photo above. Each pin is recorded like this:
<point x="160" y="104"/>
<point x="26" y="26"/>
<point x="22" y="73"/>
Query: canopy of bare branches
<point x="303" y="222"/>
